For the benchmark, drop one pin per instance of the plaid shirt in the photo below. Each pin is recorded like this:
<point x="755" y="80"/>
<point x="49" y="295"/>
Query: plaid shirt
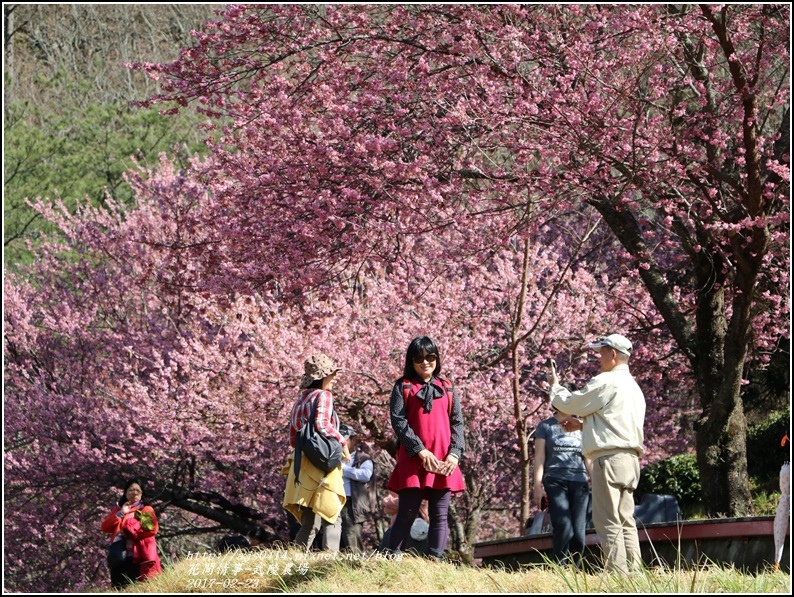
<point x="325" y="421"/>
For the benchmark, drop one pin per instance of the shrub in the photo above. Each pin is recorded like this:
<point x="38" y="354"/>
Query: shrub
<point x="765" y="455"/>
<point x="677" y="475"/>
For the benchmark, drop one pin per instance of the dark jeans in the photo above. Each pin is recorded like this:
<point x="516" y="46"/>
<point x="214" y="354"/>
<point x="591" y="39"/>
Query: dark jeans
<point x="124" y="574"/>
<point x="408" y="508"/>
<point x="568" y="505"/>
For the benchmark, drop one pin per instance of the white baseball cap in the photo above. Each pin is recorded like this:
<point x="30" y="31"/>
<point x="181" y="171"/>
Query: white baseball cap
<point x="616" y="341"/>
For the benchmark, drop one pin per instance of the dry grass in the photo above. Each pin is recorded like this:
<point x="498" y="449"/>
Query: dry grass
<point x="291" y="571"/>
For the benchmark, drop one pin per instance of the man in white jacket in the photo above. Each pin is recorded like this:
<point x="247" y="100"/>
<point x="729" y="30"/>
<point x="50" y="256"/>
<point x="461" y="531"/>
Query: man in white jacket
<point x="612" y="407"/>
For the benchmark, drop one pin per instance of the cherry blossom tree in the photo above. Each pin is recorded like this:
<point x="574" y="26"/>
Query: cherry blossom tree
<point x="510" y="180"/>
<point x="359" y="129"/>
<point x="118" y="362"/>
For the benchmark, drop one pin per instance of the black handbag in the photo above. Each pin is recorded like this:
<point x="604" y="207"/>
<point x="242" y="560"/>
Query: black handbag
<point x="117" y="553"/>
<point x="323" y="452"/>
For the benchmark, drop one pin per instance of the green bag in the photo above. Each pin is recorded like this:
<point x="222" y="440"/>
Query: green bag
<point x="147" y="523"/>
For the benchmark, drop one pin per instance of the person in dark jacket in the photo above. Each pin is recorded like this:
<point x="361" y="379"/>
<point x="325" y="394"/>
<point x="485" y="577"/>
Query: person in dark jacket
<point x="359" y="477"/>
<point x="254" y="537"/>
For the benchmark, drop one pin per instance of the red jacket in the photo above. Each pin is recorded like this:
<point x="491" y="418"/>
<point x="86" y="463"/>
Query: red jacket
<point x="141" y="545"/>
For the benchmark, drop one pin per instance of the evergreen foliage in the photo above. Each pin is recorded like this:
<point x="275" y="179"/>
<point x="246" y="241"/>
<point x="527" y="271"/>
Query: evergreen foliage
<point x="70" y="132"/>
<point x="765" y="452"/>
<point x="679" y="476"/>
<point x="81" y="153"/>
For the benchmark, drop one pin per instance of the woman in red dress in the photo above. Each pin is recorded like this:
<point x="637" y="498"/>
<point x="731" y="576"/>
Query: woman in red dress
<point x="427" y="418"/>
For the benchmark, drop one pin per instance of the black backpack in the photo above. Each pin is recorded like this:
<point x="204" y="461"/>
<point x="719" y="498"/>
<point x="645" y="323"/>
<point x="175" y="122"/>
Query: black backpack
<point x="323" y="452"/>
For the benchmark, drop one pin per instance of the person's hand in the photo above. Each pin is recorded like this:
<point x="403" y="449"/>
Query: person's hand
<point x="552" y="377"/>
<point x="345" y="453"/>
<point x="423" y="511"/>
<point x="125" y="509"/>
<point x="540" y="493"/>
<point x="448" y="466"/>
<point x="571" y="424"/>
<point x="429" y="461"/>
<point x="390" y="505"/>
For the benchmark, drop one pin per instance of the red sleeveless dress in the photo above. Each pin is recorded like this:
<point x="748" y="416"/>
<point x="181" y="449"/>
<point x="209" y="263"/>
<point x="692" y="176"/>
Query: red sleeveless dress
<point x="434" y="430"/>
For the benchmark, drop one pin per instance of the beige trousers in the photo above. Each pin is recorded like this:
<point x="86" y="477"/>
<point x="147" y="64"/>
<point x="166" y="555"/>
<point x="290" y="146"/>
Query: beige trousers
<point x="614" y="480"/>
<point x="311" y="524"/>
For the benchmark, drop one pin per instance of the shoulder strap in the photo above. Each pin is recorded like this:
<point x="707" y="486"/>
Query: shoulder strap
<point x="309" y="427"/>
<point x="447" y="388"/>
<point x="315" y="406"/>
<point x="312" y="410"/>
<point x="406" y="389"/>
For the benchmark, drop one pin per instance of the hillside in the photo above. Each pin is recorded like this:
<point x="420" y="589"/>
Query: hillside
<point x="70" y="130"/>
<point x="289" y="571"/>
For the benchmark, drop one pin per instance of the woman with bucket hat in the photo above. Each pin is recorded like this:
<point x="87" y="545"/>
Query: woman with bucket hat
<point x="313" y="497"/>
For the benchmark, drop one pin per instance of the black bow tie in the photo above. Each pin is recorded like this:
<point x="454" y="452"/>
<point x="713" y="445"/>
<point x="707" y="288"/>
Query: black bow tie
<point x="428" y="393"/>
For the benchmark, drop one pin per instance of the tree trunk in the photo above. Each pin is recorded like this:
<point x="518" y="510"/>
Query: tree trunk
<point x="722" y="460"/>
<point x="718" y="363"/>
<point x="521" y="425"/>
<point x="717" y="351"/>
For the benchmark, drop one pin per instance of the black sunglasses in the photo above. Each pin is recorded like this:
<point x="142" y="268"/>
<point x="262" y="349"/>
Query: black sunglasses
<point x="430" y="358"/>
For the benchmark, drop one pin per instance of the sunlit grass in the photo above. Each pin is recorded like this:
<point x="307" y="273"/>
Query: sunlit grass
<point x="765" y="502"/>
<point x="292" y="571"/>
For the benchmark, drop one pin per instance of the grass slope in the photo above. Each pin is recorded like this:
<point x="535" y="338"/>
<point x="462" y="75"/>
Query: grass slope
<point x="291" y="571"/>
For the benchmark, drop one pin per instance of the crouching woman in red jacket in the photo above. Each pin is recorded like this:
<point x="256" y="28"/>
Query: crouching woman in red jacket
<point x="135" y="524"/>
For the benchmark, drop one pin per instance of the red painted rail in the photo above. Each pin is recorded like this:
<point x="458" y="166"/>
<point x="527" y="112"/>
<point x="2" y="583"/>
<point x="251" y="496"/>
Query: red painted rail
<point x="725" y="529"/>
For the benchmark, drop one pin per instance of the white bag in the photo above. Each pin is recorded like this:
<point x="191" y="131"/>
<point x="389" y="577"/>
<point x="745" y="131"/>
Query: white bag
<point x="541" y="523"/>
<point x="419" y="529"/>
